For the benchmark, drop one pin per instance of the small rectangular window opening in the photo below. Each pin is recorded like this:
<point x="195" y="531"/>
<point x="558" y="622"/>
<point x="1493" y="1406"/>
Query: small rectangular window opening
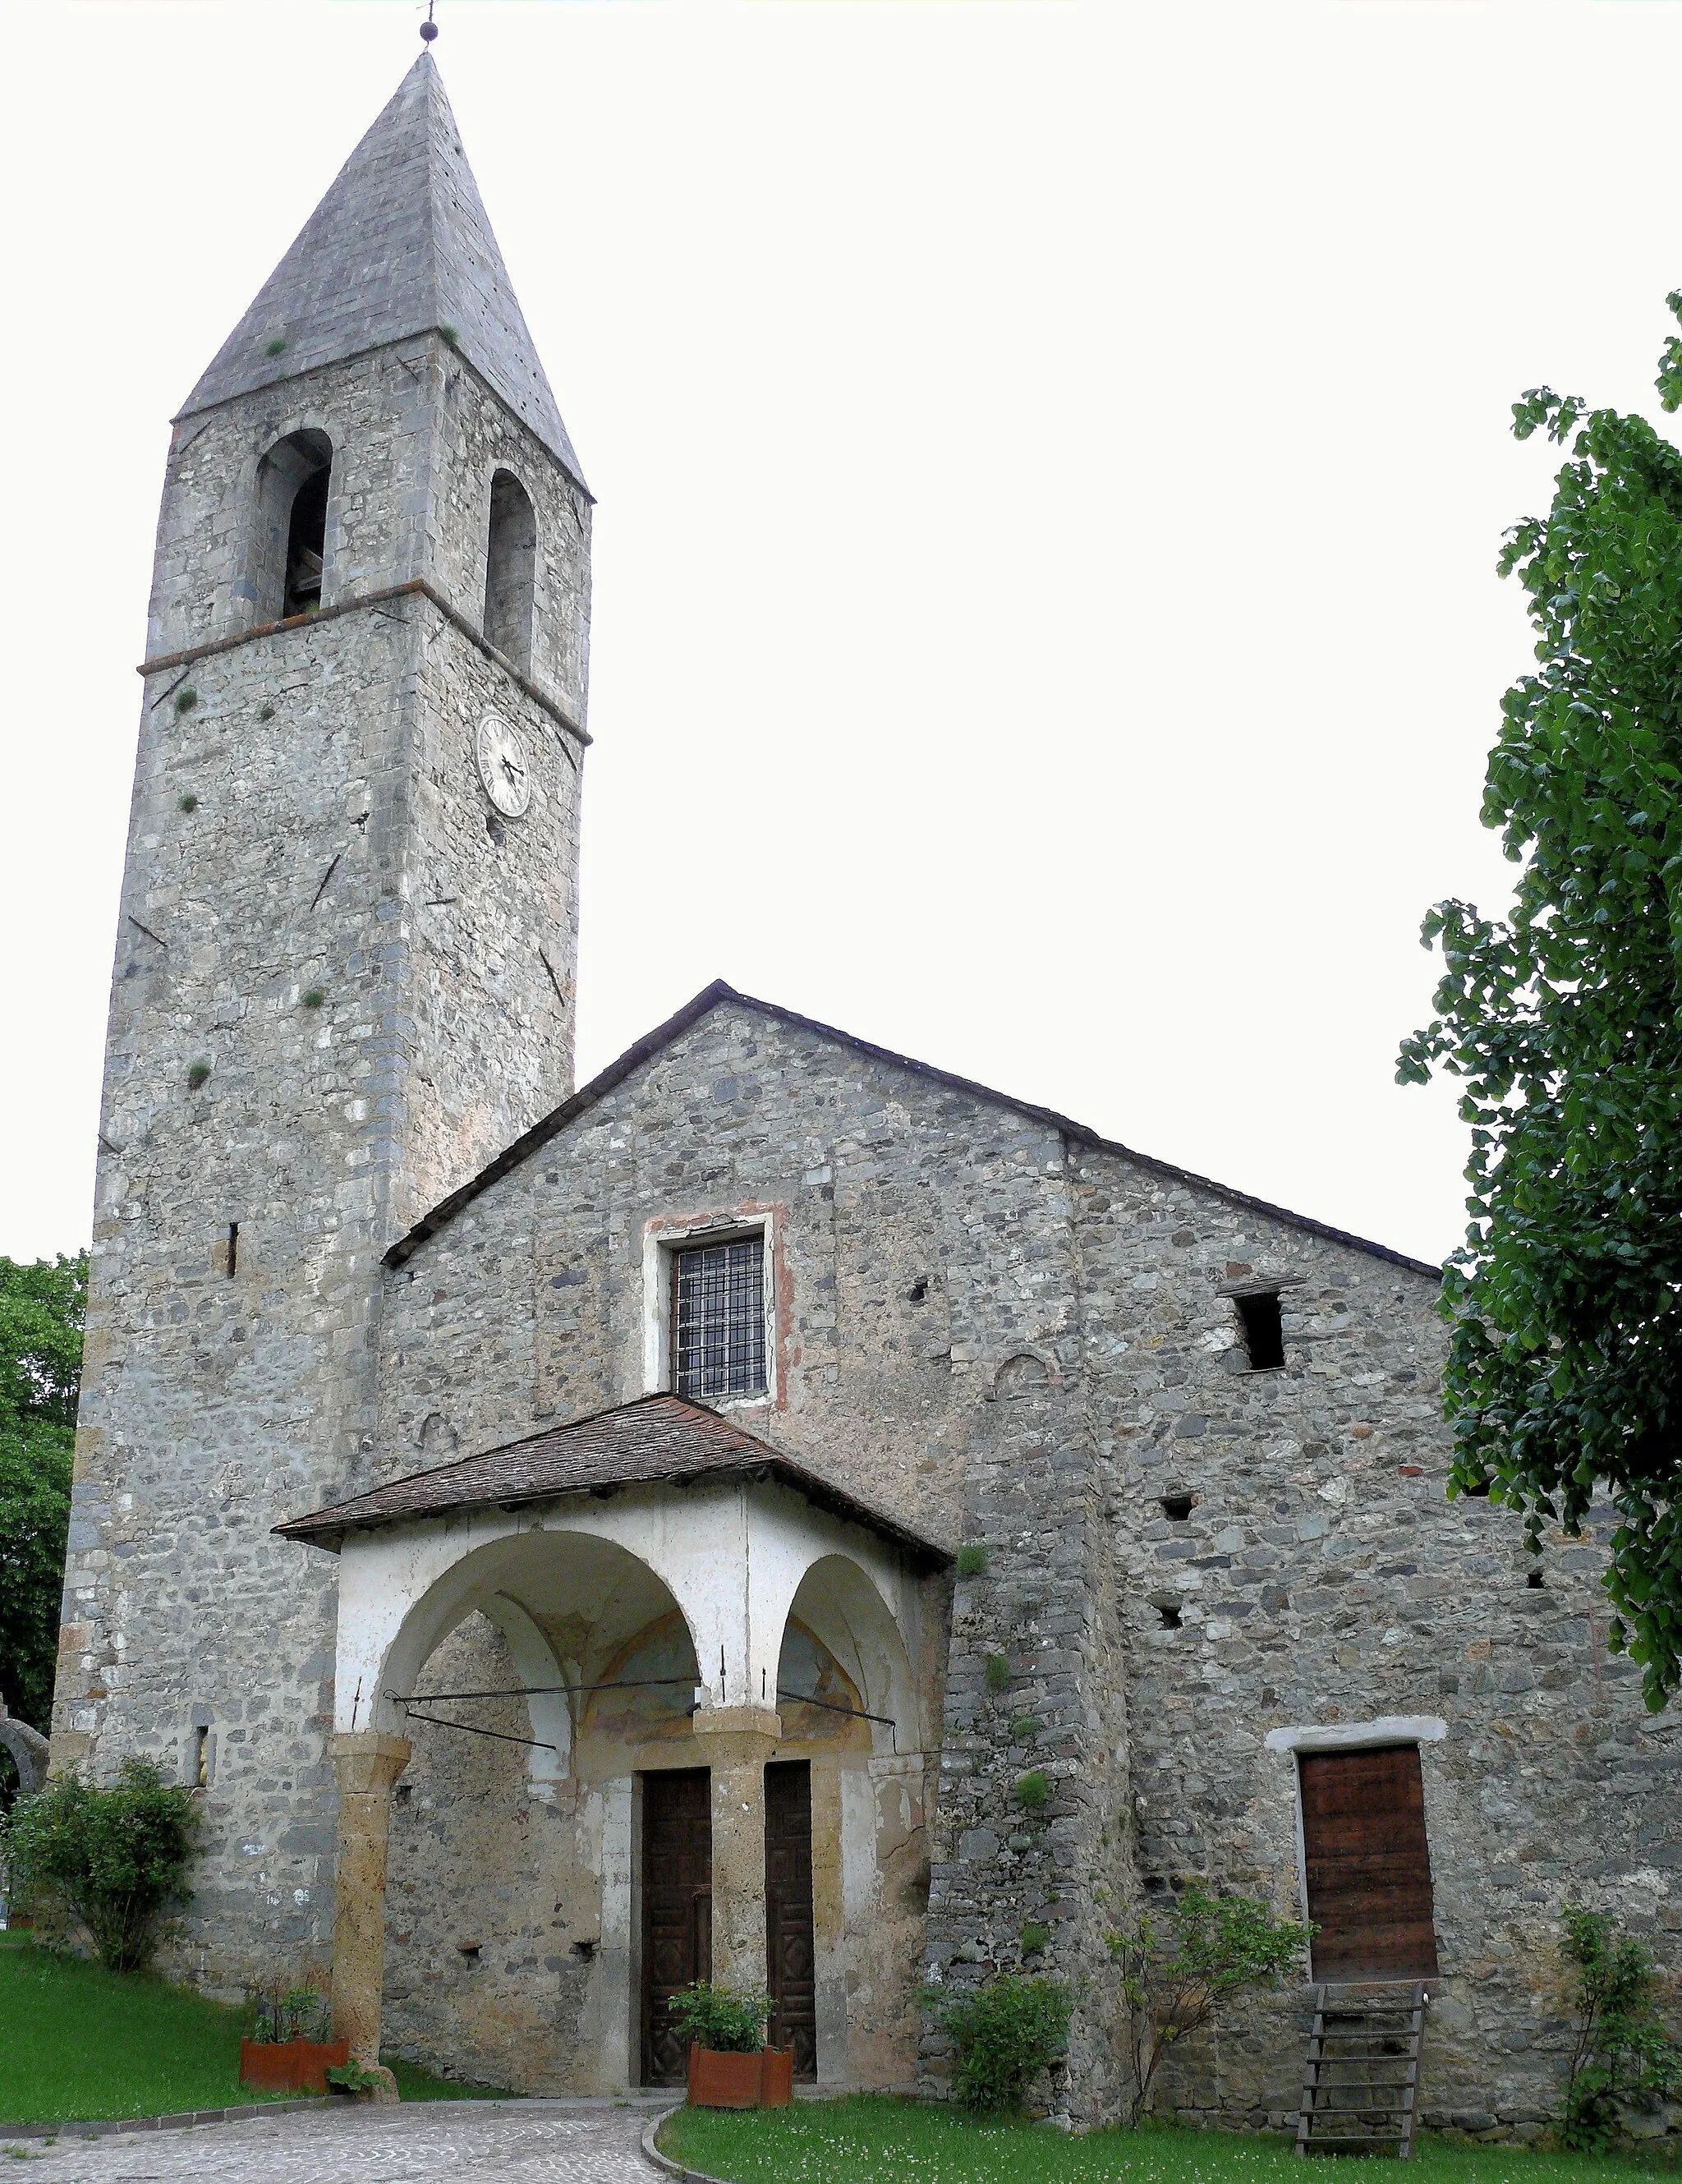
<point x="1263" y="1330"/>
<point x="233" y="1248"/>
<point x="718" y="1319"/>
<point x="201" y="1759"/>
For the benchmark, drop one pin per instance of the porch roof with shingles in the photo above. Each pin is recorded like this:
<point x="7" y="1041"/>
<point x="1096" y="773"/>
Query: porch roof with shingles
<point x="658" y="1440"/>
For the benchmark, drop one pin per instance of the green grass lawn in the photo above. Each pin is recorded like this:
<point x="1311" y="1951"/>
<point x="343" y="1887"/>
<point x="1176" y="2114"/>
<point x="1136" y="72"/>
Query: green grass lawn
<point x="78" y="2042"/>
<point x="870" y="2139"/>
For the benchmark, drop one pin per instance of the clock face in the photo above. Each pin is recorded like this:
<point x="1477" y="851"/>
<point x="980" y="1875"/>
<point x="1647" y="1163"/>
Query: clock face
<point x="503" y="766"/>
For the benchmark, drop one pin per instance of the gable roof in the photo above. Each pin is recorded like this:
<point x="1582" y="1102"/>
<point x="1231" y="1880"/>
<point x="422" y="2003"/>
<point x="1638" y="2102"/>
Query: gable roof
<point x="658" y="1438"/>
<point x="400" y="245"/>
<point x="710" y="997"/>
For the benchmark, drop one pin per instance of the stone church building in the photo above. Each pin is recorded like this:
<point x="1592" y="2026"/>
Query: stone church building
<point x="779" y="1509"/>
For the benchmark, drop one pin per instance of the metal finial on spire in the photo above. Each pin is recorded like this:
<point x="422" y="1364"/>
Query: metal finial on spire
<point x="429" y="29"/>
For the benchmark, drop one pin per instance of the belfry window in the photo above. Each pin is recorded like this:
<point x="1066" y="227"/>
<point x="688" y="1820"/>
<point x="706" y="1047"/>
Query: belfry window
<point x="510" y="569"/>
<point x="289" y="547"/>
<point x="1264" y="1338"/>
<point x="307" y="545"/>
<point x="718" y="1319"/>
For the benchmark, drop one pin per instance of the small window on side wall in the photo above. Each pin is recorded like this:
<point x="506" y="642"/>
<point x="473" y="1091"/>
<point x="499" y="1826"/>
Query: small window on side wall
<point x="511" y="570"/>
<point x="718" y="1319"/>
<point x="1263" y="1331"/>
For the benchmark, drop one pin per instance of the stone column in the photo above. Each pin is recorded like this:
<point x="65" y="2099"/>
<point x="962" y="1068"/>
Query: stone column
<point x="367" y="1763"/>
<point x="736" y="1742"/>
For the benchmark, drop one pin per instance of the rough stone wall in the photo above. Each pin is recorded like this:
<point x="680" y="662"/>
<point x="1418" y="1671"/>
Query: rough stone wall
<point x="1323" y="1577"/>
<point x="929" y="1354"/>
<point x="296" y="827"/>
<point x="416" y="438"/>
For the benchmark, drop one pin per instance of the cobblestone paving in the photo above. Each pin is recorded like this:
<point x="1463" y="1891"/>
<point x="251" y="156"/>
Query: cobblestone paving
<point x="489" y="2142"/>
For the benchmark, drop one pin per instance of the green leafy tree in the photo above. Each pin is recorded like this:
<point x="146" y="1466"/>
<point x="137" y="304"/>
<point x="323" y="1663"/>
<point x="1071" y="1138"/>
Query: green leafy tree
<point x="1624" y="2056"/>
<point x="114" y="1857"/>
<point x="1564" y="1021"/>
<point x="42" y="1310"/>
<point x="1005" y="2033"/>
<point x="1175" y="1976"/>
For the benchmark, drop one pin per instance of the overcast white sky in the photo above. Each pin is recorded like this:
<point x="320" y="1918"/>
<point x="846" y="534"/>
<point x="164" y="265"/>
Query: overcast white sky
<point x="1051" y="457"/>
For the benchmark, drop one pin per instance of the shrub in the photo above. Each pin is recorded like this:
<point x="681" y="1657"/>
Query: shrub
<point x="114" y="1857"/>
<point x="730" y="2020"/>
<point x="291" y="2013"/>
<point x="997" y="1672"/>
<point x="1623" y="2054"/>
<point x="1174" y="1981"/>
<point x="1034" y="1938"/>
<point x="1005" y="2033"/>
<point x="1033" y="1791"/>
<point x="971" y="1560"/>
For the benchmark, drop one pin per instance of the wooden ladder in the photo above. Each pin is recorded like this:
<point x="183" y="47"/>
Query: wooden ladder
<point x="1361" y="2076"/>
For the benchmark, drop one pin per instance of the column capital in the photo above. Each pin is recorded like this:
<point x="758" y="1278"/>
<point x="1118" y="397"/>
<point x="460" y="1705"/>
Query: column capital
<point x="739" y="1736"/>
<point x="368" y="1760"/>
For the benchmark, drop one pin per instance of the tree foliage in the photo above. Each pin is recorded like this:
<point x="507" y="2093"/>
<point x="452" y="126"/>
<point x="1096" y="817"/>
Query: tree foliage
<point x="1005" y="2033"/>
<point x="1175" y="1977"/>
<point x="1564" y="1019"/>
<point x="42" y="1310"/>
<point x="114" y="1857"/>
<point x="1624" y="2055"/>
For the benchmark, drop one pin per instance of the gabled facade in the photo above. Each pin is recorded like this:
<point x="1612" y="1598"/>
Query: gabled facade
<point x="781" y="1509"/>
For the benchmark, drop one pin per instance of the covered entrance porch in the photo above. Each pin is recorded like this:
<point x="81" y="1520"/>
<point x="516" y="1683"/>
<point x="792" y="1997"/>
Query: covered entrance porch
<point x="633" y="1702"/>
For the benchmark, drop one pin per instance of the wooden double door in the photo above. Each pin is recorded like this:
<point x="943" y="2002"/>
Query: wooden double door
<point x="1369" y="1864"/>
<point x="677" y="1911"/>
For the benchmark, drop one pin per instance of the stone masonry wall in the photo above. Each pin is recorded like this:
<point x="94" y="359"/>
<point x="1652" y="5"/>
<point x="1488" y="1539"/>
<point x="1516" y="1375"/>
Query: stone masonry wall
<point x="1323" y="1577"/>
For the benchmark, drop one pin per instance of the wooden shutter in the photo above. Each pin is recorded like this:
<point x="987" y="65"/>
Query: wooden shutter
<point x="1369" y="1868"/>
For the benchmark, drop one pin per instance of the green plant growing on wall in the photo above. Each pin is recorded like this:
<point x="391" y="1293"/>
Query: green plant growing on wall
<point x="114" y="1857"/>
<point x="1624" y="2055"/>
<point x="314" y="997"/>
<point x="971" y="1559"/>
<point x="1025" y="1725"/>
<point x="1175" y="1976"/>
<point x="450" y="335"/>
<point x="1005" y="2033"/>
<point x="276" y="348"/>
<point x="1034" y="1790"/>
<point x="727" y="2019"/>
<point x="189" y="803"/>
<point x="185" y="700"/>
<point x="1034" y="1938"/>
<point x="997" y="1672"/>
<point x="199" y="1074"/>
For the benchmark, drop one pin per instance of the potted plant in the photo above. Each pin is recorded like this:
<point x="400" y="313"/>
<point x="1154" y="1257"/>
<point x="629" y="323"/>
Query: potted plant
<point x="288" y="2051"/>
<point x="729" y="2065"/>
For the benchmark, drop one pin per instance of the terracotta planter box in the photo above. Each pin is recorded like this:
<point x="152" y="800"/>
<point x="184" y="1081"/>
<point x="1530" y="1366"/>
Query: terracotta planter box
<point x="763" y="2080"/>
<point x="290" y="2066"/>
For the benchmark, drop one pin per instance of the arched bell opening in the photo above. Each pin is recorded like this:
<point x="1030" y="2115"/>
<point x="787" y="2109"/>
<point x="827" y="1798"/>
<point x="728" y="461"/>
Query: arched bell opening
<point x="288" y="558"/>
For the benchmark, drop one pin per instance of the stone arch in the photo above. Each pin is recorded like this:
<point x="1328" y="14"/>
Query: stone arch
<point x="840" y="1604"/>
<point x="510" y="569"/>
<point x="286" y="570"/>
<point x="537" y="1589"/>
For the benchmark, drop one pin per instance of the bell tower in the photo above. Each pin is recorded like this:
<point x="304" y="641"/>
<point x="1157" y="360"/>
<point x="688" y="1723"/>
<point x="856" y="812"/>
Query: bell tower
<point x="345" y="970"/>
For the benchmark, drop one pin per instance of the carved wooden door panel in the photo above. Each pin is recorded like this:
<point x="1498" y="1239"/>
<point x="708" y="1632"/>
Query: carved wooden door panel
<point x="791" y="1958"/>
<point x="677" y="1910"/>
<point x="1368" y="1865"/>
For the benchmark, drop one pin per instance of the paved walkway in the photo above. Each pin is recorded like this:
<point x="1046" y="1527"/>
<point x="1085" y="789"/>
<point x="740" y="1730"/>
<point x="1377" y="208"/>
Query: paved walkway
<point x="487" y="2142"/>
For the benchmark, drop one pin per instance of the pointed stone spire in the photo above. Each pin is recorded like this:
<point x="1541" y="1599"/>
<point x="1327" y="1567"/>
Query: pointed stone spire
<point x="399" y="245"/>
